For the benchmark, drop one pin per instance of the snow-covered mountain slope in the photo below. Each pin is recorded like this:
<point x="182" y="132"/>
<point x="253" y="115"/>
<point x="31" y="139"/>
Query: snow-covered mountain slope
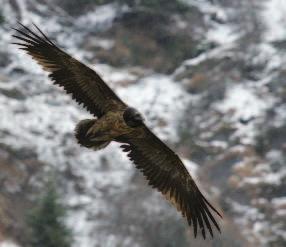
<point x="223" y="109"/>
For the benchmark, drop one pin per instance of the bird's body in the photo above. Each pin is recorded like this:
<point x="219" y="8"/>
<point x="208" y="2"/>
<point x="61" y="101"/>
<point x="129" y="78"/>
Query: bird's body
<point x="108" y="127"/>
<point x="116" y="121"/>
<point x="98" y="133"/>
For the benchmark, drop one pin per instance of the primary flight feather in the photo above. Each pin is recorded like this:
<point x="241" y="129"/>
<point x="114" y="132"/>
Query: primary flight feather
<point x="116" y="121"/>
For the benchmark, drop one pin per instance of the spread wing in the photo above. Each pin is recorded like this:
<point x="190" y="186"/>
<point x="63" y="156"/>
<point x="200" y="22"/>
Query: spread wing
<point x="166" y="172"/>
<point x="83" y="83"/>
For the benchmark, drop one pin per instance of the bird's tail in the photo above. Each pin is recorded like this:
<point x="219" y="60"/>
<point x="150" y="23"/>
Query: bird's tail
<point x="81" y="130"/>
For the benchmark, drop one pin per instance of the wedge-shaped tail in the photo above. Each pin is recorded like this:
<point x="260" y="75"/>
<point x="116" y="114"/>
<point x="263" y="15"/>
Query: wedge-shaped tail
<point x="81" y="130"/>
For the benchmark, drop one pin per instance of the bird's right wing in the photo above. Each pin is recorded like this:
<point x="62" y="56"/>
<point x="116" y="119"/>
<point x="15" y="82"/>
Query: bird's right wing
<point x="167" y="173"/>
<point x="85" y="85"/>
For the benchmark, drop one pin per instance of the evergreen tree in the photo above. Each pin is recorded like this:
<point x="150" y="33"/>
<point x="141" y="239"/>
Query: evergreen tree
<point x="46" y="222"/>
<point x="1" y="18"/>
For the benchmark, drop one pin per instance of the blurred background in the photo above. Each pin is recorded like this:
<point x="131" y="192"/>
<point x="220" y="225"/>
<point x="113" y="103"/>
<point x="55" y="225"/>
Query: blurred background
<point x="209" y="75"/>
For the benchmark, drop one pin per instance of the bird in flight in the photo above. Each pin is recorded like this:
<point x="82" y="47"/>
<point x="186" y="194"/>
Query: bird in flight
<point x="113" y="120"/>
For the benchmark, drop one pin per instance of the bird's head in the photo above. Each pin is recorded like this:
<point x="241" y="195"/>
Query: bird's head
<point x="133" y="118"/>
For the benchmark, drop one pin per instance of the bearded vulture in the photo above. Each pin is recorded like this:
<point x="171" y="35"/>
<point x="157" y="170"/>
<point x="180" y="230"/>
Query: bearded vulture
<point x="113" y="120"/>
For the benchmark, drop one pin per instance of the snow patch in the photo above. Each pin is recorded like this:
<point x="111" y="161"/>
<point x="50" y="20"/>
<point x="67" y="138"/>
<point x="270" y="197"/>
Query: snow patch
<point x="222" y="34"/>
<point x="242" y="102"/>
<point x="274" y="15"/>
<point x="102" y="16"/>
<point x="192" y="167"/>
<point x="279" y="202"/>
<point x="8" y="243"/>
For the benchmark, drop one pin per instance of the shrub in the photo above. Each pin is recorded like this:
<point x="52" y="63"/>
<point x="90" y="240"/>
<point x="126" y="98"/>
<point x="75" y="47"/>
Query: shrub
<point x="2" y="19"/>
<point x="47" y="228"/>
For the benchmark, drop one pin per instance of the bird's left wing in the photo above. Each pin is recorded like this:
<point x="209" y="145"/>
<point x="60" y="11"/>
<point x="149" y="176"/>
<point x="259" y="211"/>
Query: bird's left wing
<point x="83" y="83"/>
<point x="166" y="172"/>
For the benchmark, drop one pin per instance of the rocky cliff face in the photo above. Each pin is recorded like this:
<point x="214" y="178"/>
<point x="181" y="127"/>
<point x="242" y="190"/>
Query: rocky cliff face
<point x="209" y="77"/>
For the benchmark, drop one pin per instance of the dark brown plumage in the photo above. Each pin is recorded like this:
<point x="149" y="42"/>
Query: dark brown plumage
<point x="115" y="121"/>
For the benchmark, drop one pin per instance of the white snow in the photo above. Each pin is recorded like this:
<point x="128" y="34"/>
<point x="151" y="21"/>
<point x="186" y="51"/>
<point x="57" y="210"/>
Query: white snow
<point x="216" y="53"/>
<point x="102" y="16"/>
<point x="8" y="243"/>
<point x="112" y="75"/>
<point x="275" y="19"/>
<point x="272" y="178"/>
<point x="242" y="102"/>
<point x="222" y="34"/>
<point x="279" y="202"/>
<point x="249" y="215"/>
<point x="192" y="167"/>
